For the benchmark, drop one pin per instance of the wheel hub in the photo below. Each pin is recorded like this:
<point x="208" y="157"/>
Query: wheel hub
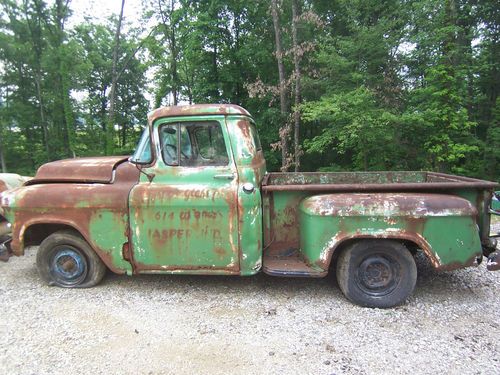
<point x="68" y="266"/>
<point x="378" y="275"/>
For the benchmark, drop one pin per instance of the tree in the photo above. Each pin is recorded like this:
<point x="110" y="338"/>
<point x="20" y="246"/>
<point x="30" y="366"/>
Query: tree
<point x="296" y="63"/>
<point x="114" y="80"/>
<point x="360" y="84"/>
<point x="284" y="130"/>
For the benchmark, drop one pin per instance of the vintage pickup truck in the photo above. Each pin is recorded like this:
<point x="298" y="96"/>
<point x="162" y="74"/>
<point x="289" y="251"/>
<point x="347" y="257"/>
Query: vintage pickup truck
<point x="195" y="198"/>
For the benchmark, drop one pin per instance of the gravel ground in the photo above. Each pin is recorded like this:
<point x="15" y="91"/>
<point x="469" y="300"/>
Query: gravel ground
<point x="232" y="325"/>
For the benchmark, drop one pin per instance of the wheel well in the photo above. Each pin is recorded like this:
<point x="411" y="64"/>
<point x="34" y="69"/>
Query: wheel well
<point x="36" y="233"/>
<point x="410" y="245"/>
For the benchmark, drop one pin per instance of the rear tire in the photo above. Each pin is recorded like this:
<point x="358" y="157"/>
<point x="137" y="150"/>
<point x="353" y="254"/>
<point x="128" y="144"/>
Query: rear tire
<point x="65" y="259"/>
<point x="376" y="273"/>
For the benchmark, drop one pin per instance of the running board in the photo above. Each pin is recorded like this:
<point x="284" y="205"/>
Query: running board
<point x="289" y="266"/>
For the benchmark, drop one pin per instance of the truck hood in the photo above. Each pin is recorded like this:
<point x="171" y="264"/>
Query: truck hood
<point x="87" y="170"/>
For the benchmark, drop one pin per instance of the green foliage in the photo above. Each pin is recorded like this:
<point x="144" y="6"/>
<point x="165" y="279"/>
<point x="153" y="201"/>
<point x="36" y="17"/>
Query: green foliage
<point x="55" y="83"/>
<point x="443" y="120"/>
<point x="385" y="84"/>
<point x="353" y="123"/>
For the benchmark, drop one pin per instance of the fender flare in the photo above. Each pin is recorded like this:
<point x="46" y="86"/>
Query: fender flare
<point x="18" y="240"/>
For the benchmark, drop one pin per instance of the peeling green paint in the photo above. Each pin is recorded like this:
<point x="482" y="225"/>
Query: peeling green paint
<point x="443" y="226"/>
<point x="107" y="232"/>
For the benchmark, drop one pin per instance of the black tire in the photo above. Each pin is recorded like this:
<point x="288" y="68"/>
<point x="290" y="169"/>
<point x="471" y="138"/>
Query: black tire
<point x="65" y="259"/>
<point x="376" y="273"/>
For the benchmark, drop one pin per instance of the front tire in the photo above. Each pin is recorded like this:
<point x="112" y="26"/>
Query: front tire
<point x="376" y="273"/>
<point x="65" y="259"/>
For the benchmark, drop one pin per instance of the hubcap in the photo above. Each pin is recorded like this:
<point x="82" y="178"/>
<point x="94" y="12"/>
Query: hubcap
<point x="378" y="275"/>
<point x="68" y="266"/>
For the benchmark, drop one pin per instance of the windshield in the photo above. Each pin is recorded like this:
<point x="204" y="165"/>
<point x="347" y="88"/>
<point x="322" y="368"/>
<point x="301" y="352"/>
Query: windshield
<point x="142" y="153"/>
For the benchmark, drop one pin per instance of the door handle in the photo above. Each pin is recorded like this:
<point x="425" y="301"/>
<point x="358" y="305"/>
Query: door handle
<point x="224" y="176"/>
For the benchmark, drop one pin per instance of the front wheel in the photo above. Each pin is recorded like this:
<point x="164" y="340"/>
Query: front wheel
<point x="66" y="260"/>
<point x="376" y="273"/>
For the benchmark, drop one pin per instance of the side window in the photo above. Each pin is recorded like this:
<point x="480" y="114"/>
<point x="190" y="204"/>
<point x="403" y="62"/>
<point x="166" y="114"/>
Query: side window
<point x="200" y="144"/>
<point x="168" y="137"/>
<point x="142" y="153"/>
<point x="211" y="147"/>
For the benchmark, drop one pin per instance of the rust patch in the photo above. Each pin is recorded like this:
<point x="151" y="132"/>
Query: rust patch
<point x="415" y="224"/>
<point x="94" y="169"/>
<point x="405" y="204"/>
<point x="196" y="110"/>
<point x="243" y="125"/>
<point x="324" y="263"/>
<point x="457" y="265"/>
<point x="220" y="252"/>
<point x="202" y="270"/>
<point x="183" y="222"/>
<point x="74" y="206"/>
<point x="284" y="232"/>
<point x="370" y="182"/>
<point x="126" y="254"/>
<point x="3" y="186"/>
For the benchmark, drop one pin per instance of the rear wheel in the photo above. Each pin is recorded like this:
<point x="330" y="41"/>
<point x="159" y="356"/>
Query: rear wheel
<point x="66" y="260"/>
<point x="376" y="273"/>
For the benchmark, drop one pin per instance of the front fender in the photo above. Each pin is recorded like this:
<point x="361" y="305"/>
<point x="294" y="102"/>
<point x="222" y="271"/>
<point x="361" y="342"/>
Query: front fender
<point x="98" y="212"/>
<point x="443" y="226"/>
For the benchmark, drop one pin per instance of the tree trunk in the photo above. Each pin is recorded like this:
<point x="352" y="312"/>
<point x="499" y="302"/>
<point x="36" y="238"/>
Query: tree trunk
<point x="3" y="165"/>
<point x="63" y="88"/>
<point x="237" y="45"/>
<point x="465" y="23"/>
<point x="35" y="36"/>
<point x="45" y="131"/>
<point x="2" y="159"/>
<point x="296" y="63"/>
<point x="173" y="47"/>
<point x="215" y="73"/>
<point x="170" y="34"/>
<point x="282" y="84"/>
<point x="114" y="79"/>
<point x="124" y="135"/>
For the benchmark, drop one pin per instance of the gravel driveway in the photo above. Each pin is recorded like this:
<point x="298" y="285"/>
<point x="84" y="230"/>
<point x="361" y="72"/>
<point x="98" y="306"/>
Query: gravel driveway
<point x="255" y="325"/>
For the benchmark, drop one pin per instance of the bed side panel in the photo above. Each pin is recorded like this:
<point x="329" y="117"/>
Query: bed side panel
<point x="443" y="226"/>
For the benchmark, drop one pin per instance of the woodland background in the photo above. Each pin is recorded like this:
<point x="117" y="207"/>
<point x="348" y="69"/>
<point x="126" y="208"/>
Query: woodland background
<point x="332" y="84"/>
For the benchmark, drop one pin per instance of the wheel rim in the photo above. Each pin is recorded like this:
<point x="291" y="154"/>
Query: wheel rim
<point x="378" y="275"/>
<point x="68" y="266"/>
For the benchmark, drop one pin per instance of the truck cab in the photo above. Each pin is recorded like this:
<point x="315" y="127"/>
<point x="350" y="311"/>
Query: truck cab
<point x="197" y="206"/>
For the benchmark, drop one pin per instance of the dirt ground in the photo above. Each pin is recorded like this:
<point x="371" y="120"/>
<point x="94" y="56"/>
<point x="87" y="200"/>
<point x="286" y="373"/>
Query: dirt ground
<point x="254" y="325"/>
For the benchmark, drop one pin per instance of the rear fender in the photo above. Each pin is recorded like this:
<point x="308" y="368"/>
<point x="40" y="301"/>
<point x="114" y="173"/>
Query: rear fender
<point x="443" y="226"/>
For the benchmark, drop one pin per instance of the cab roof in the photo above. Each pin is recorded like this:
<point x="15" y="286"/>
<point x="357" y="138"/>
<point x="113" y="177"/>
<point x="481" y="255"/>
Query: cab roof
<point x="197" y="110"/>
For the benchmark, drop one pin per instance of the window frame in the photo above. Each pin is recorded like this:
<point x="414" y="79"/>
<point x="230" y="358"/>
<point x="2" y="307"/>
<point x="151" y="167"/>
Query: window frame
<point x="193" y="141"/>
<point x="145" y="133"/>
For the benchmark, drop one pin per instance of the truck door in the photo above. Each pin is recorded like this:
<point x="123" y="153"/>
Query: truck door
<point x="186" y="218"/>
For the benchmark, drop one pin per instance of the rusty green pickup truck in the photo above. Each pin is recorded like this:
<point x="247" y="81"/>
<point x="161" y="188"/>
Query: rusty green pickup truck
<point x="196" y="198"/>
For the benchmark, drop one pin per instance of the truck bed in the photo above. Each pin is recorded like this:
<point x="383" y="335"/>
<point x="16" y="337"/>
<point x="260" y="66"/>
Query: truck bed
<point x="283" y="192"/>
<point x="370" y="181"/>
